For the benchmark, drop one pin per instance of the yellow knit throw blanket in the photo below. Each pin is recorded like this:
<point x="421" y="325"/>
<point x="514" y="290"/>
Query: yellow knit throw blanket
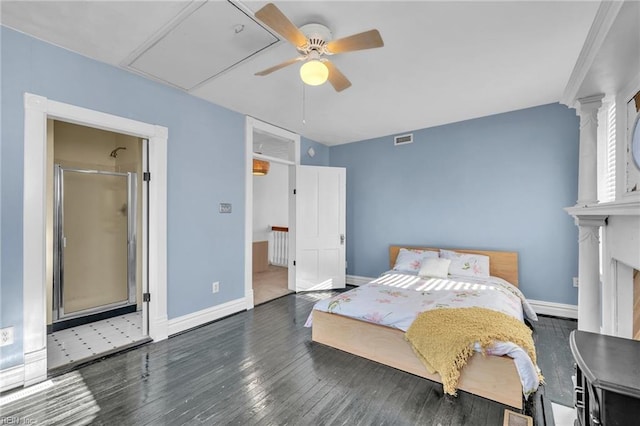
<point x="444" y="338"/>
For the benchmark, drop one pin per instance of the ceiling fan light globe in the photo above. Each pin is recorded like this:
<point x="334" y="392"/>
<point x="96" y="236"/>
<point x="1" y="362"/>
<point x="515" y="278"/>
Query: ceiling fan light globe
<point x="314" y="72"/>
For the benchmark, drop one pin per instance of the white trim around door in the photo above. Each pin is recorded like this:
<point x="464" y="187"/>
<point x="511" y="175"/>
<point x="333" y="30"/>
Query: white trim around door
<point x="37" y="110"/>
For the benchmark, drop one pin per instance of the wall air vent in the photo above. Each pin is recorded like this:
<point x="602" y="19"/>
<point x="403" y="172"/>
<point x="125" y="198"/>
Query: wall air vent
<point x="403" y="139"/>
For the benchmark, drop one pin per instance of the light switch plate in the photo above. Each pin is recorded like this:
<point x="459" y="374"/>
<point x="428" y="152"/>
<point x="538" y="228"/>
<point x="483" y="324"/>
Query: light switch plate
<point x="225" y="207"/>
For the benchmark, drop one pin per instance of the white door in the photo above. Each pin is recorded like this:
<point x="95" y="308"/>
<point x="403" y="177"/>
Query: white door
<point x="318" y="242"/>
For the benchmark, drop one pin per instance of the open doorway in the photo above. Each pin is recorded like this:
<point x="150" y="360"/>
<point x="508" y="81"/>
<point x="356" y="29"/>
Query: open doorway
<point x="94" y="243"/>
<point x="38" y="110"/>
<point x="270" y="228"/>
<point x="271" y="154"/>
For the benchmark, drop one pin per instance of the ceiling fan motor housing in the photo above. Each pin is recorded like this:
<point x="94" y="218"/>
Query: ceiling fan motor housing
<point x="318" y="36"/>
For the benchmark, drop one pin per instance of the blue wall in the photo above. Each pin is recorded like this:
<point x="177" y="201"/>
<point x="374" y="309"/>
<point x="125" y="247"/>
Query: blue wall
<point x="205" y="167"/>
<point x="321" y="154"/>
<point x="498" y="182"/>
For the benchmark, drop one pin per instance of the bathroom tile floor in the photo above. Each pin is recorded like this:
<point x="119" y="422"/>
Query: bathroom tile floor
<point x="89" y="341"/>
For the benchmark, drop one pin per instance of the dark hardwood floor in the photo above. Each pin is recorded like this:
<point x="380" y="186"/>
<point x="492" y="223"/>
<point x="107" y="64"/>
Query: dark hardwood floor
<point x="551" y="336"/>
<point x="260" y="367"/>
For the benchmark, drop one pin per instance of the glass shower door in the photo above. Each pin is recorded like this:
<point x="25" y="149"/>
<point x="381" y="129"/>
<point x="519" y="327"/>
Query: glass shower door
<point x="95" y="241"/>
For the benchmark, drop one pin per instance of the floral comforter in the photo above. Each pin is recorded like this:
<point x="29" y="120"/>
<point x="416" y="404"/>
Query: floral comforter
<point x="394" y="300"/>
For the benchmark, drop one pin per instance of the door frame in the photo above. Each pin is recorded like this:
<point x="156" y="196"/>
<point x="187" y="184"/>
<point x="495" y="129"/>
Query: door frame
<point x="252" y="124"/>
<point x="37" y="110"/>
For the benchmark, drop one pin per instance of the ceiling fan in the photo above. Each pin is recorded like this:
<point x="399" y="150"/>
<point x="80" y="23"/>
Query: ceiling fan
<point x="314" y="43"/>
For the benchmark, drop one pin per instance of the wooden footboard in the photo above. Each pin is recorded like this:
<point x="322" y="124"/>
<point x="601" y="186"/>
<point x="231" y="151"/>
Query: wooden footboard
<point x="492" y="377"/>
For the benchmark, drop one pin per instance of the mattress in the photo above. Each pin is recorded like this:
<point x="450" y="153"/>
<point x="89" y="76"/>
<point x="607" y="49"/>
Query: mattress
<point x="395" y="299"/>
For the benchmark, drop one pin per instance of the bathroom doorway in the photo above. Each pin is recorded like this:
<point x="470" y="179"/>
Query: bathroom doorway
<point x="94" y="250"/>
<point x="37" y="258"/>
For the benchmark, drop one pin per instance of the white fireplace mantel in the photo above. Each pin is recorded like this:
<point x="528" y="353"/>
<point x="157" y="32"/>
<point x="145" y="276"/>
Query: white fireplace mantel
<point x="612" y="284"/>
<point x="618" y="208"/>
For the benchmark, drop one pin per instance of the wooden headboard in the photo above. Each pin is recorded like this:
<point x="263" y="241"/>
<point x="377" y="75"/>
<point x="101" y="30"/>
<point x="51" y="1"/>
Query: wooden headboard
<point x="502" y="264"/>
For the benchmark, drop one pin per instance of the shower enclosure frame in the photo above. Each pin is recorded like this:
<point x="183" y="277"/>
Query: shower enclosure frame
<point x="59" y="244"/>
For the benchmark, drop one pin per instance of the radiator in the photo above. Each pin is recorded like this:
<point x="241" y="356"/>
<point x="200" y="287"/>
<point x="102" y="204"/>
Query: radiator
<point x="279" y="247"/>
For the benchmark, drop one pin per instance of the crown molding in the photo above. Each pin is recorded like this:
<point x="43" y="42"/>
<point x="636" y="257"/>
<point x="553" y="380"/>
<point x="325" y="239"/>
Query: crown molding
<point x="602" y="23"/>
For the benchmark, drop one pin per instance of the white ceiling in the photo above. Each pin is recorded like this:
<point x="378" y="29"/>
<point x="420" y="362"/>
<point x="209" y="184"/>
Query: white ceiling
<point x="442" y="61"/>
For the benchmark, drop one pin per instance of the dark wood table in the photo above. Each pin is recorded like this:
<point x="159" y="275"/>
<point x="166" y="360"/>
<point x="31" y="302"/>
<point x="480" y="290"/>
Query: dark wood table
<point x="608" y="379"/>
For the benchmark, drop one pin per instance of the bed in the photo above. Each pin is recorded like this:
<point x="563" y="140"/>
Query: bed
<point x="490" y="376"/>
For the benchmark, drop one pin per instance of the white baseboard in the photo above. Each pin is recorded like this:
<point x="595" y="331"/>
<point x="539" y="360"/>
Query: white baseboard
<point x="356" y="280"/>
<point x="186" y="322"/>
<point x="159" y="328"/>
<point x="248" y="299"/>
<point x="12" y="377"/>
<point x="35" y="366"/>
<point x="554" y="309"/>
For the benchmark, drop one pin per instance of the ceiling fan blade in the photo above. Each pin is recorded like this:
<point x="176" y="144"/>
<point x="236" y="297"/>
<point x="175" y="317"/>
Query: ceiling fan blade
<point x="279" y="66"/>
<point x="336" y="78"/>
<point x="366" y="40"/>
<point x="278" y="22"/>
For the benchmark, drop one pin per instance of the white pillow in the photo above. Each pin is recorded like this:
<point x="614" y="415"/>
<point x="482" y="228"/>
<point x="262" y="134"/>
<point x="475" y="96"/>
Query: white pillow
<point x="467" y="265"/>
<point x="410" y="260"/>
<point x="435" y="267"/>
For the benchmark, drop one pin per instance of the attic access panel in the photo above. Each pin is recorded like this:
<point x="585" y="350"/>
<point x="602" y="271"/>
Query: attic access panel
<point x="210" y="40"/>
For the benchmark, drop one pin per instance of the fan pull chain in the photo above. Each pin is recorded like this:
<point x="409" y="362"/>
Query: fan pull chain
<point x="304" y="104"/>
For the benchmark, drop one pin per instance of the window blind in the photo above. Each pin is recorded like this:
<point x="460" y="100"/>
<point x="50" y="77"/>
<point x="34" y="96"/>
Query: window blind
<point x="607" y="153"/>
<point x="610" y="173"/>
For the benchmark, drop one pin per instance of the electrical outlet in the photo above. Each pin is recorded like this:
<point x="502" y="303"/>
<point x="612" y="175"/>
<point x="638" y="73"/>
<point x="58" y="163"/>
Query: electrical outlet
<point x="6" y="336"/>
<point x="575" y="281"/>
<point x="215" y="287"/>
